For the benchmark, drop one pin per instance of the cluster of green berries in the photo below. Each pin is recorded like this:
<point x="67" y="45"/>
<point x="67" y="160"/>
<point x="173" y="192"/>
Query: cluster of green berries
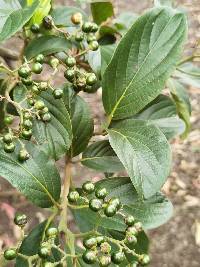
<point x="80" y="80"/>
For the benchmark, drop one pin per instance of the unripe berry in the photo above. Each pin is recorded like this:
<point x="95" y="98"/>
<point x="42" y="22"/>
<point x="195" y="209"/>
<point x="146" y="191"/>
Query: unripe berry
<point x="43" y="86"/>
<point x="100" y="239"/>
<point x="88" y="187"/>
<point x="20" y="220"/>
<point x="10" y="254"/>
<point x="52" y="232"/>
<point x="87" y="27"/>
<point x="90" y="242"/>
<point x="91" y="37"/>
<point x="40" y="58"/>
<point x="104" y="260"/>
<point x="129" y="220"/>
<point x="37" y="68"/>
<point x="23" y="155"/>
<point x="27" y="81"/>
<point x="27" y="124"/>
<point x="26" y="134"/>
<point x="58" y="93"/>
<point x="39" y="105"/>
<point x="73" y="196"/>
<point x="94" y="45"/>
<point x="94" y="28"/>
<point x="95" y="204"/>
<point x="46" y="117"/>
<point x="35" y="90"/>
<point x="69" y="75"/>
<point x="24" y="72"/>
<point x="8" y="120"/>
<point x="8" y="138"/>
<point x="118" y="257"/>
<point x="76" y="18"/>
<point x="138" y="226"/>
<point x="35" y="28"/>
<point x="54" y="62"/>
<point x="110" y="210"/>
<point x="79" y="37"/>
<point x="47" y="22"/>
<point x="44" y="252"/>
<point x="144" y="259"/>
<point x="105" y="247"/>
<point x="91" y="79"/>
<point x="101" y="193"/>
<point x="116" y="202"/>
<point x="89" y="257"/>
<point x="9" y="148"/>
<point x="70" y="61"/>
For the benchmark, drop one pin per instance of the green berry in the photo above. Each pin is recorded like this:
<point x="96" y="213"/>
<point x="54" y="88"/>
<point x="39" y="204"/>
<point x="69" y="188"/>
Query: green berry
<point x="132" y="230"/>
<point x="70" y="61"/>
<point x="89" y="257"/>
<point x="27" y="116"/>
<point x="24" y="72"/>
<point x="94" y="45"/>
<point x="105" y="247"/>
<point x="129" y="220"/>
<point x="58" y="93"/>
<point x="39" y="105"/>
<point x="91" y="37"/>
<point x="35" y="28"/>
<point x="88" y="187"/>
<point x="90" y="242"/>
<point x="138" y="226"/>
<point x="104" y="260"/>
<point x="110" y="210"/>
<point x="118" y="257"/>
<point x="44" y="252"/>
<point x="79" y="37"/>
<point x="101" y="193"/>
<point x="89" y="89"/>
<point x="43" y="86"/>
<point x="9" y="148"/>
<point x="20" y="220"/>
<point x="37" y="68"/>
<point x="46" y="117"/>
<point x="47" y="22"/>
<point x="130" y="239"/>
<point x="144" y="259"/>
<point x="8" y="120"/>
<point x="94" y="28"/>
<point x="23" y="155"/>
<point x="35" y="90"/>
<point x="26" y="134"/>
<point x="54" y="62"/>
<point x="8" y="138"/>
<point x="27" y="124"/>
<point x="10" y="254"/>
<point x="73" y="196"/>
<point x="116" y="202"/>
<point x="100" y="239"/>
<point x="81" y="82"/>
<point x="91" y="79"/>
<point x="87" y="27"/>
<point x="69" y="75"/>
<point x="76" y="18"/>
<point x="52" y="232"/>
<point x="44" y="111"/>
<point x="40" y="58"/>
<point x="27" y="81"/>
<point x="95" y="204"/>
<point x="31" y="101"/>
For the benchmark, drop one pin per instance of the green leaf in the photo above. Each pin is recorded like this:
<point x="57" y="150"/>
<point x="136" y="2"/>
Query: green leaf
<point x="189" y="74"/>
<point x="16" y="20"/>
<point x="107" y="52"/>
<point x="62" y="15"/>
<point x="181" y="99"/>
<point x="30" y="244"/>
<point x="81" y="120"/>
<point x="37" y="178"/>
<point x="94" y="59"/>
<point x="101" y="11"/>
<point x="124" y="21"/>
<point x="46" y="45"/>
<point x="41" y="11"/>
<point x="56" y="135"/>
<point x="144" y="152"/>
<point x="162" y="113"/>
<point x="163" y="3"/>
<point x="101" y="157"/>
<point x="144" y="59"/>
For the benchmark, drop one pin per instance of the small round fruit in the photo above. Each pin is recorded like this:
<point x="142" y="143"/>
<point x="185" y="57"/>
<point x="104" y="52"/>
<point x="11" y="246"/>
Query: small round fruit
<point x="76" y="18"/>
<point x="44" y="252"/>
<point x="37" y="68"/>
<point x="94" y="28"/>
<point x="39" y="58"/>
<point x="88" y="187"/>
<point x="35" y="28"/>
<point x="90" y="242"/>
<point x="91" y="37"/>
<point x="52" y="232"/>
<point x="31" y="101"/>
<point x="69" y="75"/>
<point x="27" y="81"/>
<point x="101" y="193"/>
<point x="89" y="257"/>
<point x="8" y="120"/>
<point x="144" y="259"/>
<point x="130" y="239"/>
<point x="81" y="82"/>
<point x="110" y="210"/>
<point x="9" y="148"/>
<point x="23" y="155"/>
<point x="132" y="230"/>
<point x="129" y="220"/>
<point x="26" y="134"/>
<point x="105" y="247"/>
<point x="27" y="116"/>
<point x="20" y="220"/>
<point x="91" y="79"/>
<point x="39" y="105"/>
<point x="116" y="202"/>
<point x="95" y="204"/>
<point x="70" y="61"/>
<point x="35" y="90"/>
<point x="94" y="45"/>
<point x="118" y="257"/>
<point x="58" y="93"/>
<point x="100" y="239"/>
<point x="46" y="117"/>
<point x="79" y="37"/>
<point x="47" y="22"/>
<point x="10" y="254"/>
<point x="54" y="62"/>
<point x="8" y="138"/>
<point x="73" y="196"/>
<point x="27" y="124"/>
<point x="24" y="72"/>
<point x="138" y="226"/>
<point x="43" y="86"/>
<point x="104" y="260"/>
<point x="87" y="27"/>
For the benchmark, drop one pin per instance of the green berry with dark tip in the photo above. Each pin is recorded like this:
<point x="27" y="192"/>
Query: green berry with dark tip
<point x="95" y="204"/>
<point x="88" y="187"/>
<point x="8" y="138"/>
<point x="73" y="196"/>
<point x="104" y="260"/>
<point x="39" y="58"/>
<point x="23" y="155"/>
<point x="101" y="193"/>
<point x="27" y="124"/>
<point x="8" y="120"/>
<point x="47" y="22"/>
<point x="79" y="37"/>
<point x="46" y="117"/>
<point x="144" y="259"/>
<point x="89" y="257"/>
<point x="129" y="220"/>
<point x="100" y="239"/>
<point x="87" y="27"/>
<point x="39" y="105"/>
<point x="116" y="202"/>
<point x="24" y="72"/>
<point x="118" y="257"/>
<point x="94" y="28"/>
<point x="70" y="61"/>
<point x="20" y="220"/>
<point x="9" y="148"/>
<point x="37" y="68"/>
<point x="69" y="75"/>
<point x="58" y="93"/>
<point x="90" y="242"/>
<point x="26" y="134"/>
<point x="27" y="81"/>
<point x="94" y="45"/>
<point x="52" y="232"/>
<point x="44" y="252"/>
<point x="35" y="28"/>
<point x="91" y="79"/>
<point x="130" y="239"/>
<point x="10" y="254"/>
<point x="35" y="90"/>
<point x="110" y="210"/>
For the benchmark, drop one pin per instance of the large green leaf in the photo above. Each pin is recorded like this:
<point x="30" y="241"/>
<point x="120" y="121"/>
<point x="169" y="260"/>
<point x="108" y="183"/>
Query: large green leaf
<point x="144" y="152"/>
<point x="144" y="59"/>
<point x="37" y="178"/>
<point x="81" y="120"/>
<point x="46" y="45"/>
<point x="16" y="20"/>
<point x="107" y="52"/>
<point x="101" y="11"/>
<point x="101" y="157"/>
<point x="41" y="11"/>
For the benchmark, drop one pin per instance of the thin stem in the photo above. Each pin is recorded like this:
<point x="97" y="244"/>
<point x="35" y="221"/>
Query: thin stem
<point x="187" y="59"/>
